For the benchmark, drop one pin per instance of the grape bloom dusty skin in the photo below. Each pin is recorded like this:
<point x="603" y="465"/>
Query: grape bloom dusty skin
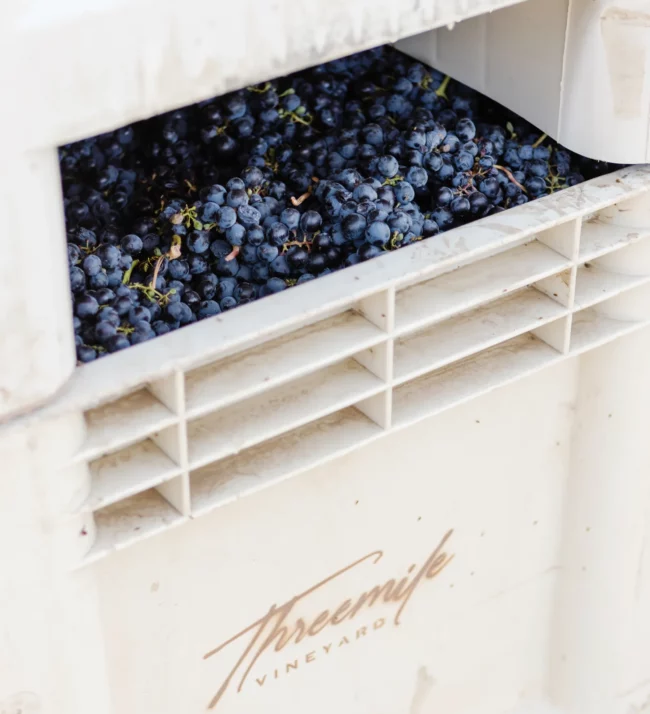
<point x="181" y="217"/>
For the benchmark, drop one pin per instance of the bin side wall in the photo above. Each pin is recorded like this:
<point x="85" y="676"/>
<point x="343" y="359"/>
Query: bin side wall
<point x="495" y="471"/>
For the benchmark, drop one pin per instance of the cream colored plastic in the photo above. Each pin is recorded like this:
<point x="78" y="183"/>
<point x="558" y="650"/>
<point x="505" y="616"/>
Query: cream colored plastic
<point x="578" y="69"/>
<point x="87" y="68"/>
<point x="37" y="351"/>
<point x="416" y="485"/>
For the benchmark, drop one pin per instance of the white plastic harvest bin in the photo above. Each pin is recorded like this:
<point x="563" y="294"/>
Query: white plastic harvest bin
<point x="466" y="422"/>
<point x="577" y="69"/>
<point x="469" y="507"/>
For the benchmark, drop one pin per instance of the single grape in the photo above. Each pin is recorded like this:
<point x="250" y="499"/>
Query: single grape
<point x="310" y="221"/>
<point x="536" y="186"/>
<point x="104" y="330"/>
<point x="377" y="233"/>
<point x="86" y="306"/>
<point x="179" y="312"/>
<point x="209" y="212"/>
<point x="364" y="191"/>
<point x="537" y="167"/>
<point x="139" y="314"/>
<point x="197" y="264"/>
<point x="297" y="258"/>
<point x="77" y="280"/>
<point x="198" y="242"/>
<point x="479" y="203"/>
<point x="226" y="217"/>
<point x="249" y="215"/>
<point x="305" y="278"/>
<point x="373" y="134"/>
<point x="277" y="234"/>
<point x="317" y="262"/>
<point x="192" y="299"/>
<point x="400" y="222"/>
<point x="489" y="187"/>
<point x="404" y="192"/>
<point x="237" y="197"/>
<point x="85" y="353"/>
<point x="388" y="166"/>
<point x="208" y="308"/>
<point x="429" y="228"/>
<point x="368" y="251"/>
<point x="117" y="342"/>
<point x="443" y="217"/>
<point x="245" y="292"/>
<point x="267" y="252"/>
<point x="275" y="285"/>
<point x="236" y="235"/>
<point x="132" y="244"/>
<point x="74" y="254"/>
<point x="279" y="267"/>
<point x="220" y="248"/>
<point x="92" y="265"/>
<point x="179" y="269"/>
<point x="465" y="129"/>
<point x="255" y="236"/>
<point x="526" y="152"/>
<point x="460" y="206"/>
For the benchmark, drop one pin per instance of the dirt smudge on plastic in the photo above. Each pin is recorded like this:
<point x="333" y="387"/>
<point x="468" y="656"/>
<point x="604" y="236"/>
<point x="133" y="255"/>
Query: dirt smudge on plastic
<point x="424" y="683"/>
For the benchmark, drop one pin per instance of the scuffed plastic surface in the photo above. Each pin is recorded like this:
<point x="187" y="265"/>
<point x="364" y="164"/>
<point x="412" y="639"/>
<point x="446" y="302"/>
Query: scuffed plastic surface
<point x="112" y="63"/>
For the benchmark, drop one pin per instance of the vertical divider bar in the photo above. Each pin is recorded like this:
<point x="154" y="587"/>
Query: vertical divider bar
<point x="391" y="296"/>
<point x="173" y="441"/>
<point x="380" y="310"/>
<point x="186" y="502"/>
<point x="577" y="235"/>
<point x="565" y="240"/>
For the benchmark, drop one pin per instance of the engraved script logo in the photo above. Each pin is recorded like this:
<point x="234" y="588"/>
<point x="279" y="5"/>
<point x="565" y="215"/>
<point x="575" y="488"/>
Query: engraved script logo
<point x="275" y="629"/>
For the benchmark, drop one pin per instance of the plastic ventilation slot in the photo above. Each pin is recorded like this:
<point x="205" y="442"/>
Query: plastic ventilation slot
<point x="592" y="329"/>
<point x="122" y="422"/>
<point x="134" y="469"/>
<point x="284" y="408"/>
<point x="594" y="284"/>
<point x="472" y="285"/>
<point x="274" y="461"/>
<point x="123" y="524"/>
<point x="473" y="376"/>
<point x="277" y="362"/>
<point x="473" y="332"/>
<point x="600" y="237"/>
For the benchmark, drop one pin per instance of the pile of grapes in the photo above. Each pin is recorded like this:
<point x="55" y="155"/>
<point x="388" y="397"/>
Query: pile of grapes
<point x="180" y="217"/>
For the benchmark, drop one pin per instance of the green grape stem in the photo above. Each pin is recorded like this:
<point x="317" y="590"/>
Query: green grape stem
<point x="539" y="141"/>
<point x="442" y="89"/>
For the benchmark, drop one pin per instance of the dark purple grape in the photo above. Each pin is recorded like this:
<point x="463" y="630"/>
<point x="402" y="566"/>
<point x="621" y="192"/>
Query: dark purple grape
<point x="368" y="251"/>
<point x="86" y="306"/>
<point x="85" y="353"/>
<point x="77" y="279"/>
<point x="277" y="234"/>
<point x="131" y="244"/>
<point x="198" y="242"/>
<point x="310" y="221"/>
<point x="117" y="342"/>
<point x="179" y="312"/>
<point x="208" y="308"/>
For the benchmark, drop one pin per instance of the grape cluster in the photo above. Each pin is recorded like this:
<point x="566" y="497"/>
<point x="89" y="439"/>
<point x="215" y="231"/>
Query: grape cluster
<point x="186" y="215"/>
